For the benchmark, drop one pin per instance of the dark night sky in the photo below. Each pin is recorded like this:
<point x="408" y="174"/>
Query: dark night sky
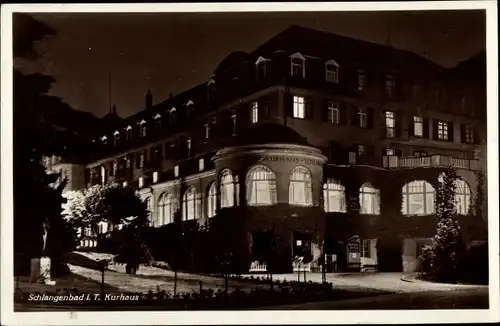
<point x="169" y="53"/>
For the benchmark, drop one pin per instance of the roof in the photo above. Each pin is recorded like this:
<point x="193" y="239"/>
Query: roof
<point x="344" y="50"/>
<point x="472" y="68"/>
<point x="268" y="133"/>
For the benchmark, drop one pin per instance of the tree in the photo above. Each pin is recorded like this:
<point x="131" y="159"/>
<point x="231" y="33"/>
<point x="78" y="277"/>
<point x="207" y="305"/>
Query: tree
<point x="442" y="257"/>
<point x="116" y="205"/>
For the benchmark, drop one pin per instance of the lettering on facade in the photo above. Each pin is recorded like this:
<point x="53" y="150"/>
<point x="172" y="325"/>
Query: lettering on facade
<point x="289" y="159"/>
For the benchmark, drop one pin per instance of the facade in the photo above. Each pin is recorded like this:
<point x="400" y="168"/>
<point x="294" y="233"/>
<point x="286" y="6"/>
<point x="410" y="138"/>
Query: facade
<point x="315" y="142"/>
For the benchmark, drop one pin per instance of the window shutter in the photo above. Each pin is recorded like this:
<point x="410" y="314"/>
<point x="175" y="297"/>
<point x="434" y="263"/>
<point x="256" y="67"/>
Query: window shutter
<point x="309" y="108"/>
<point x="426" y="128"/>
<point x="399" y="124"/>
<point x="289" y="105"/>
<point x="324" y="111"/>
<point x="435" y="129"/>
<point x="354" y="116"/>
<point x="451" y="131"/>
<point x="369" y="115"/>
<point x="411" y="126"/>
<point x="462" y="133"/>
<point x="343" y="113"/>
<point x="477" y="140"/>
<point x="263" y="110"/>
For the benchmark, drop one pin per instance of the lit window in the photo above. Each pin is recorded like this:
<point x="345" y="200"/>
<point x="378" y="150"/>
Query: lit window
<point x="390" y="124"/>
<point x="104" y="140"/>
<point x="141" y="182"/>
<point x="361" y="81"/>
<point x="299" y="107"/>
<point x="116" y="138"/>
<point x="166" y="209"/>
<point x="114" y="167"/>
<point x="212" y="200"/>
<point x="332" y="72"/>
<point x="201" y="164"/>
<point x="298" y="67"/>
<point x="207" y="131"/>
<point x="442" y="130"/>
<point x="369" y="200"/>
<point x="353" y="158"/>
<point x="261" y="186"/>
<point x="469" y="134"/>
<point x="142" y="128"/>
<point x="103" y="174"/>
<point x="365" y="249"/>
<point x="191" y="202"/>
<point x="333" y="113"/>
<point x="227" y="189"/>
<point x="300" y="187"/>
<point x="418" y="198"/>
<point x="255" y="112"/>
<point x="155" y="177"/>
<point x="389" y="88"/>
<point x="176" y="171"/>
<point x="125" y="184"/>
<point x="233" y="122"/>
<point x="363" y="118"/>
<point x="390" y="152"/>
<point x="462" y="197"/>
<point x="361" y="150"/>
<point x="334" y="196"/>
<point x="142" y="159"/>
<point x="418" y="126"/>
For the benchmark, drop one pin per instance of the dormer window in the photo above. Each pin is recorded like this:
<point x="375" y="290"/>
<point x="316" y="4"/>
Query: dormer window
<point x="116" y="139"/>
<point x="104" y="140"/>
<point x="173" y="116"/>
<point x="207" y="131"/>
<point x="128" y="133"/>
<point x="361" y="80"/>
<point x="142" y="128"/>
<point x="210" y="89"/>
<point x="189" y="107"/>
<point x="157" y="122"/>
<point x="332" y="71"/>
<point x="261" y="68"/>
<point x="298" y="65"/>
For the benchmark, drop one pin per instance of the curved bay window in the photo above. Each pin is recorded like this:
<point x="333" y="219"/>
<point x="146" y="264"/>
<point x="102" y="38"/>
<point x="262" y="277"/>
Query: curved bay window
<point x="228" y="185"/>
<point x="165" y="209"/>
<point x="191" y="205"/>
<point x="212" y="200"/>
<point x="462" y="197"/>
<point x="369" y="200"/>
<point x="300" y="187"/>
<point x="261" y="186"/>
<point x="334" y="196"/>
<point x="418" y="198"/>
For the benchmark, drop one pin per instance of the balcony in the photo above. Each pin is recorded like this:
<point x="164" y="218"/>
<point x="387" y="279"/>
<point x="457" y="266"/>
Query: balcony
<point x="394" y="162"/>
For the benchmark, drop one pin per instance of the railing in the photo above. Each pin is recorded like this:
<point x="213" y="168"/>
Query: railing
<point x="299" y="267"/>
<point x="394" y="162"/>
<point x="256" y="267"/>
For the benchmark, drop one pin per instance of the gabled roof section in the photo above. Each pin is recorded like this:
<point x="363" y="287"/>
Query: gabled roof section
<point x="331" y="62"/>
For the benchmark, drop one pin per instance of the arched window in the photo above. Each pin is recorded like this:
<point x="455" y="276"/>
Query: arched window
<point x="157" y="119"/>
<point x="116" y="138"/>
<point x="128" y="133"/>
<point x="462" y="197"/>
<point x="165" y="209"/>
<point x="212" y="200"/>
<point x="300" y="187"/>
<point x="369" y="200"/>
<point x="418" y="198"/>
<point x="191" y="204"/>
<point x="227" y="189"/>
<point x="261" y="186"/>
<point x="334" y="196"/>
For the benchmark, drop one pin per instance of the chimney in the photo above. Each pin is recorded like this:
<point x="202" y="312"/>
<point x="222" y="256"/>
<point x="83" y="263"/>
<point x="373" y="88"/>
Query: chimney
<point x="149" y="99"/>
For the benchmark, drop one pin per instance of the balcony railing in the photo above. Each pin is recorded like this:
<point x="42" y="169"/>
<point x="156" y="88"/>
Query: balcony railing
<point x="394" y="162"/>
